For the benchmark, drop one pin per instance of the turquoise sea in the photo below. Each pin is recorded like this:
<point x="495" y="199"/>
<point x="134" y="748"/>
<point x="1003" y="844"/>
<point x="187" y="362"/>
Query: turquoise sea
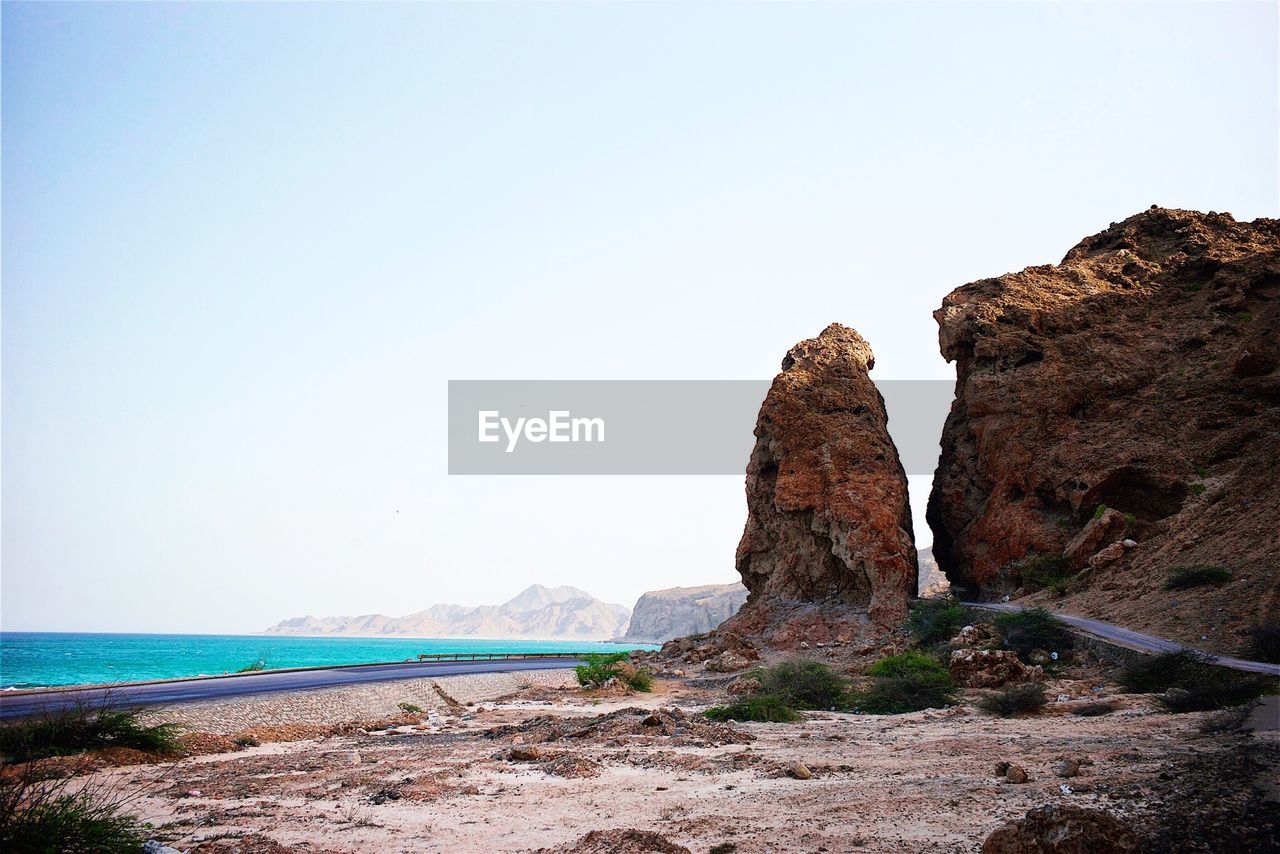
<point x="37" y="659"/>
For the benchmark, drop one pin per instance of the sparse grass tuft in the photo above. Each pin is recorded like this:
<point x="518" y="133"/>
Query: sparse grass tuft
<point x="764" y="708"/>
<point x="1191" y="682"/>
<point x="1021" y="699"/>
<point x="254" y="667"/>
<point x="410" y="708"/>
<point x="75" y="729"/>
<point x="1182" y="577"/>
<point x="934" y="621"/>
<point x="1027" y="631"/>
<point x="1099" y="510"/>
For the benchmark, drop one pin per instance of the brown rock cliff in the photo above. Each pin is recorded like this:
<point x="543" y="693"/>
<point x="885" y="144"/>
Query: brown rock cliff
<point x="1139" y="374"/>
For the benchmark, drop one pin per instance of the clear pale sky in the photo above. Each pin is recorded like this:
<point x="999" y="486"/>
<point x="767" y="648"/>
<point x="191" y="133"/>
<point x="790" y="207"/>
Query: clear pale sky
<point x="246" y="245"/>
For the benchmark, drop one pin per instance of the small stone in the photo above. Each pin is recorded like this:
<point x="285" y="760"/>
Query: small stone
<point x="800" y="771"/>
<point x="652" y="720"/>
<point x="1016" y="774"/>
<point x="522" y="753"/>
<point x="1067" y="768"/>
<point x="1001" y="768"/>
<point x="1128" y="544"/>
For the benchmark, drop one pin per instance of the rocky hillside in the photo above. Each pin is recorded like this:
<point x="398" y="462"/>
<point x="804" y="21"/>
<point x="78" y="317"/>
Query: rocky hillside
<point x="536" y="613"/>
<point x="1117" y="416"/>
<point x="661" y="615"/>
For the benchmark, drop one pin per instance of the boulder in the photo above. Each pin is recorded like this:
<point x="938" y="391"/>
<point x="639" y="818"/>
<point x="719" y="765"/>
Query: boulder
<point x="1102" y="528"/>
<point x="976" y="635"/>
<point x="800" y="771"/>
<point x="744" y="686"/>
<point x="1107" y="556"/>
<point x="1062" y="829"/>
<point x="524" y="753"/>
<point x="727" y="662"/>
<point x="1139" y="374"/>
<point x="990" y="668"/>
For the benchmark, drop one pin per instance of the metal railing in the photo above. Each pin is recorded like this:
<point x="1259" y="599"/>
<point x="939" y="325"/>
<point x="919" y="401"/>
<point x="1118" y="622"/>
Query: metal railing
<point x="492" y="656"/>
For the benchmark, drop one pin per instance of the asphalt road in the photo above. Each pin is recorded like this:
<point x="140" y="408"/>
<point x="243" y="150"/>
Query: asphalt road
<point x="15" y="704"/>
<point x="1135" y="640"/>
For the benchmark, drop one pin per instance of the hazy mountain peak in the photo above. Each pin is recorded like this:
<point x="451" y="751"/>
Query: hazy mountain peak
<point x="537" y="596"/>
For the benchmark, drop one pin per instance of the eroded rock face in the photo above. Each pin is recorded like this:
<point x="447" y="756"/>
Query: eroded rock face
<point x="1139" y="374"/>
<point x="828" y="520"/>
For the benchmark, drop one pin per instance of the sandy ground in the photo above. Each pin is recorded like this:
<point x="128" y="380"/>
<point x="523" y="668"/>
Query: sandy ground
<point x="542" y="768"/>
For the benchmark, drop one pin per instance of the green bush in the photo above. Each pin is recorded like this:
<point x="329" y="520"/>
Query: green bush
<point x="600" y="667"/>
<point x="762" y="707"/>
<point x="906" y="664"/>
<point x="641" y="680"/>
<point x="934" y="621"/>
<point x="1182" y="577"/>
<point x="1191" y="682"/>
<point x="1020" y="699"/>
<point x="803" y="683"/>
<point x="1099" y="510"/>
<point x="905" y="683"/>
<point x="1026" y="631"/>
<point x="410" y="708"/>
<point x="75" y="729"/>
<point x="1045" y="571"/>
<point x="41" y="817"/>
<point x="1264" y="643"/>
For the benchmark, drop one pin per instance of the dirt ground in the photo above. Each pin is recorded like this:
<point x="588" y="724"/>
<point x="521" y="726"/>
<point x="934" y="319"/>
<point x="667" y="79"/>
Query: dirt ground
<point x="548" y="767"/>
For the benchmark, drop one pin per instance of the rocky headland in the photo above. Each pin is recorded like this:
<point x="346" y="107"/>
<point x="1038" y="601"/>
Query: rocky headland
<point x="1116" y="421"/>
<point x="661" y="615"/>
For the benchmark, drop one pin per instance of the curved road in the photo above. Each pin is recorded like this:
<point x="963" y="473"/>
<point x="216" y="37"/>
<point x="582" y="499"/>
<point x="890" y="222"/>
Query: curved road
<point x="17" y="704"/>
<point x="1134" y="640"/>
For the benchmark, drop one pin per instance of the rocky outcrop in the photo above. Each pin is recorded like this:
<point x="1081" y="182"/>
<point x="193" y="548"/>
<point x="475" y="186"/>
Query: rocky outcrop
<point x="537" y="612"/>
<point x="1062" y="830"/>
<point x="1138" y="376"/>
<point x="990" y="668"/>
<point x="661" y="615"/>
<point x="828" y="520"/>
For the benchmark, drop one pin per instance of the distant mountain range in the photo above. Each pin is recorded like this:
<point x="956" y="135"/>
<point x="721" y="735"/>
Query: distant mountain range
<point x="543" y="613"/>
